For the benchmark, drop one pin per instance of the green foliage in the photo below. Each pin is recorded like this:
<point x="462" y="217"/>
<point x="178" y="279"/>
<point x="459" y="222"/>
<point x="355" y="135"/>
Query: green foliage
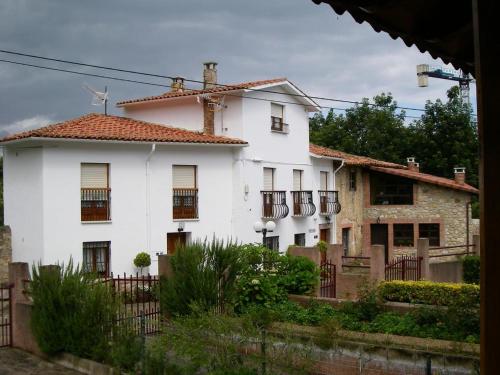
<point x="72" y="312"/>
<point x="142" y="260"/>
<point x="199" y="269"/>
<point x="1" y="191"/>
<point x="471" y="269"/>
<point x="299" y="275"/>
<point x="322" y="246"/>
<point x="430" y="293"/>
<point x="126" y="347"/>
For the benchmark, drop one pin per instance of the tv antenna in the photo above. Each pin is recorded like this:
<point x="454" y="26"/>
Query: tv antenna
<point x="98" y="97"/>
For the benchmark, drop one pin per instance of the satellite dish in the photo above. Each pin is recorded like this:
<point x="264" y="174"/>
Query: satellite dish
<point x="98" y="97"/>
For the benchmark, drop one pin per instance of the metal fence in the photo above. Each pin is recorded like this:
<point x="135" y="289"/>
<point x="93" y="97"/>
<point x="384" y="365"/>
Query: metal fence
<point x="5" y="316"/>
<point x="405" y="267"/>
<point x="453" y="253"/>
<point x="328" y="280"/>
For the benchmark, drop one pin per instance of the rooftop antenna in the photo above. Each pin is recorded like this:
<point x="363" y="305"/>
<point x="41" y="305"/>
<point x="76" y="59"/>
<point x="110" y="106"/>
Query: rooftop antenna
<point x="98" y="97"/>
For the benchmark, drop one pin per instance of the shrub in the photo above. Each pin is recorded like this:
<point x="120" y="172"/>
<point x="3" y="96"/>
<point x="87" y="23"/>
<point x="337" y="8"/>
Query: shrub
<point x="299" y="275"/>
<point x="322" y="246"/>
<point x="142" y="260"/>
<point x="72" y="312"/>
<point x="204" y="274"/>
<point x="430" y="293"/>
<point x="471" y="269"/>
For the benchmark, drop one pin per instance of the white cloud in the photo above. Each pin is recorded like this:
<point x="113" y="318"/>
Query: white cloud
<point x="37" y="121"/>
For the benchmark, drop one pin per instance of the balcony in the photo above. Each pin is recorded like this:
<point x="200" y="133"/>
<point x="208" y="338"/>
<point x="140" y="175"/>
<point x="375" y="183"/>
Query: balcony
<point x="277" y="125"/>
<point x="329" y="202"/>
<point x="95" y="204"/>
<point x="303" y="203"/>
<point x="274" y="204"/>
<point x="185" y="203"/>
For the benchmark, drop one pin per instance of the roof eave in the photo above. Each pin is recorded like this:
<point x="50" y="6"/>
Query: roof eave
<point x="316" y="156"/>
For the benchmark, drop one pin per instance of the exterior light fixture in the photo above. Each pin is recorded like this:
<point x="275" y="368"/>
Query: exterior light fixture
<point x="260" y="227"/>
<point x="180" y="228"/>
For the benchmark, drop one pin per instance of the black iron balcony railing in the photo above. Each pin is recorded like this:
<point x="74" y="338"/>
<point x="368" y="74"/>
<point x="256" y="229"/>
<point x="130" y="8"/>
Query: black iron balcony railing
<point x="329" y="202"/>
<point x="274" y="204"/>
<point x="278" y="125"/>
<point x="95" y="204"/>
<point x="303" y="203"/>
<point x="185" y="203"/>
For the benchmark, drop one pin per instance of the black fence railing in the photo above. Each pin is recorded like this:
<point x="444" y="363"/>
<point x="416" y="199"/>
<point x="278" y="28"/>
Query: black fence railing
<point x="303" y="203"/>
<point x="404" y="268"/>
<point x="185" y="203"/>
<point x="328" y="280"/>
<point x="5" y="315"/>
<point x="329" y="202"/>
<point x="95" y="204"/>
<point x="274" y="204"/>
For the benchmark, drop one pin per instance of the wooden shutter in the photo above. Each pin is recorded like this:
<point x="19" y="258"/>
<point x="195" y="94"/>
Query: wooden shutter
<point x="268" y="178"/>
<point x="323" y="183"/>
<point x="94" y="175"/>
<point x="184" y="177"/>
<point x="276" y="110"/>
<point x="297" y="179"/>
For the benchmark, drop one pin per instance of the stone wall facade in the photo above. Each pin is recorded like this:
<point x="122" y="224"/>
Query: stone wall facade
<point x="5" y="253"/>
<point x="432" y="204"/>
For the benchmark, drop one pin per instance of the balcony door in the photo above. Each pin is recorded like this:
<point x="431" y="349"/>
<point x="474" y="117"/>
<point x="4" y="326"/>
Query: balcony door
<point x="268" y="189"/>
<point x="95" y="192"/>
<point x="185" y="192"/>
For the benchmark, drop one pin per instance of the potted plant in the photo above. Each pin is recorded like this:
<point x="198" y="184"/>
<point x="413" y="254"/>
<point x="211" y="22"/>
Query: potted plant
<point x="142" y="260"/>
<point x="322" y="246"/>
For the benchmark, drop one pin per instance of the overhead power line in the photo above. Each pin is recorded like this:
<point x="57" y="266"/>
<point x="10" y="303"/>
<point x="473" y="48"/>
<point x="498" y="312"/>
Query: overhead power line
<point x="193" y="80"/>
<point x="162" y="85"/>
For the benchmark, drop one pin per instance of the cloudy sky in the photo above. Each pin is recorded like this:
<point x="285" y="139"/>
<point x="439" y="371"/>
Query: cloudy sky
<point x="322" y="53"/>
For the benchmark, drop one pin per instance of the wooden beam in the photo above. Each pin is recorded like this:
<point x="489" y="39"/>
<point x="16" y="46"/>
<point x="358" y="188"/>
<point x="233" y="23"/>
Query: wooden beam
<point x="487" y="62"/>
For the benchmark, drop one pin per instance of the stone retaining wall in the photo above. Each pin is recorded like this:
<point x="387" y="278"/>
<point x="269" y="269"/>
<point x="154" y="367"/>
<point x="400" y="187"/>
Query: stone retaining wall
<point x="5" y="253"/>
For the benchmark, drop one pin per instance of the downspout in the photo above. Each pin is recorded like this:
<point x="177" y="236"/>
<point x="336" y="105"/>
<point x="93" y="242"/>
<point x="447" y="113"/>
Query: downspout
<point x="335" y="188"/>
<point x="148" y="199"/>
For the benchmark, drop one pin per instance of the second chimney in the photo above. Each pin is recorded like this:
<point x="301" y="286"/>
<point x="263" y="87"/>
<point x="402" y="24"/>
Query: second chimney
<point x="459" y="175"/>
<point x="209" y="82"/>
<point x="209" y="75"/>
<point x="177" y="84"/>
<point x="412" y="165"/>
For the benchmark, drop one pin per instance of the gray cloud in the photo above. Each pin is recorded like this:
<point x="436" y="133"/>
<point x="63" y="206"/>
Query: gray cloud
<point x="322" y="53"/>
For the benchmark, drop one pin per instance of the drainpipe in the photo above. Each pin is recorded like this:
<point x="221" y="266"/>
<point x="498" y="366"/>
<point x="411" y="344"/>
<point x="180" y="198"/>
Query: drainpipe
<point x="335" y="188"/>
<point x="148" y="198"/>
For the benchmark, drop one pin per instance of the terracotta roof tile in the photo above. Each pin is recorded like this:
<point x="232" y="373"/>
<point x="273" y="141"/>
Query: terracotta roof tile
<point x="101" y="127"/>
<point x="215" y="90"/>
<point x="428" y="178"/>
<point x="350" y="159"/>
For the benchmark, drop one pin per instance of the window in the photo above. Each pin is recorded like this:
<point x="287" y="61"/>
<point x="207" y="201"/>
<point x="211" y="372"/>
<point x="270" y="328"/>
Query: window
<point x="95" y="192"/>
<point x="430" y="231"/>
<point x="403" y="234"/>
<point x="268" y="179"/>
<point x="323" y="180"/>
<point x="300" y="239"/>
<point x="277" y="123"/>
<point x="297" y="179"/>
<point x="352" y="180"/>
<point x="96" y="257"/>
<point x="185" y="192"/>
<point x="272" y="243"/>
<point x="388" y="189"/>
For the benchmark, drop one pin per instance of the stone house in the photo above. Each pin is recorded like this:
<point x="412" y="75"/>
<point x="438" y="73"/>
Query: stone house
<point x="394" y="205"/>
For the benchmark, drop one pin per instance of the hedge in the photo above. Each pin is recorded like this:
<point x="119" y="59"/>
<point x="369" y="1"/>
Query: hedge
<point x="429" y="293"/>
<point x="471" y="269"/>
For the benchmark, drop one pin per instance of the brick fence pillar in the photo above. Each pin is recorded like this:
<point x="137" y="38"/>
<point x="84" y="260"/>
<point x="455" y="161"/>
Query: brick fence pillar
<point x="377" y="262"/>
<point x="334" y="255"/>
<point x="423" y="251"/>
<point x="165" y="266"/>
<point x="475" y="244"/>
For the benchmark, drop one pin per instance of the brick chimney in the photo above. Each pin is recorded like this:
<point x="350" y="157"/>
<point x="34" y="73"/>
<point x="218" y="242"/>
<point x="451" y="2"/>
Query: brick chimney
<point x="209" y="75"/>
<point x="459" y="175"/>
<point x="412" y="165"/>
<point x="177" y="84"/>
<point x="209" y="82"/>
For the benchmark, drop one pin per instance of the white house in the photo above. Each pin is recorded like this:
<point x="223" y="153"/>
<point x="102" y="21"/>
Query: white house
<point x="184" y="165"/>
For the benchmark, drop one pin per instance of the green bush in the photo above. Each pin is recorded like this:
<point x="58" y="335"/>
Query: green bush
<point x="126" y="346"/>
<point x="322" y="246"/>
<point x="204" y="274"/>
<point x="430" y="293"/>
<point x="142" y="260"/>
<point x="72" y="312"/>
<point x="471" y="269"/>
<point x="299" y="275"/>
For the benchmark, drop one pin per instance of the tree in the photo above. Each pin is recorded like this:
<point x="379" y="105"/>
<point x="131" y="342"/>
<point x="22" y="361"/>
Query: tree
<point x="375" y="131"/>
<point x="445" y="137"/>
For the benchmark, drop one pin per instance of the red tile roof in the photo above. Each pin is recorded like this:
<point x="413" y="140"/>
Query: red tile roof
<point x="390" y="168"/>
<point x="215" y="90"/>
<point x="354" y="160"/>
<point x="101" y="127"/>
<point x="428" y="178"/>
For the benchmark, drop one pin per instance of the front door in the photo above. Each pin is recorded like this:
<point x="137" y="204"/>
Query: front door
<point x="324" y="235"/>
<point x="380" y="236"/>
<point x="345" y="240"/>
<point x="175" y="239"/>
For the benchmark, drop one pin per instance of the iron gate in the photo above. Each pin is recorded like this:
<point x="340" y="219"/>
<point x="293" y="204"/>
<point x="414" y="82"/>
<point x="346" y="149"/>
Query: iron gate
<point x="405" y="267"/>
<point x="328" y="280"/>
<point x="5" y="316"/>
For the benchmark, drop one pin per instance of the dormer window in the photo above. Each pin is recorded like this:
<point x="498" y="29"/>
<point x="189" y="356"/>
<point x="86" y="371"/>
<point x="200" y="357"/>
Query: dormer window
<point x="277" y="118"/>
